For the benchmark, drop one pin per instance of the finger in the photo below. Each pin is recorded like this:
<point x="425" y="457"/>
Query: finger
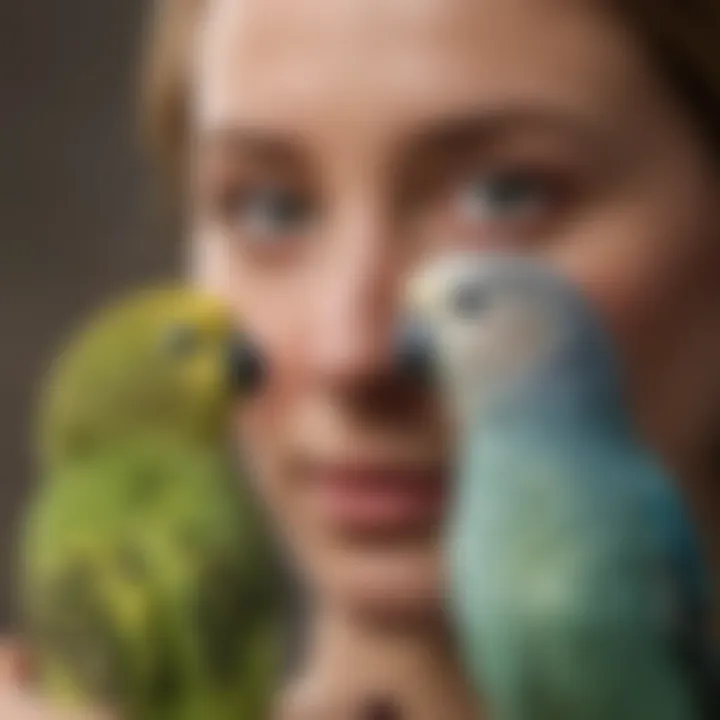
<point x="15" y="705"/>
<point x="15" y="663"/>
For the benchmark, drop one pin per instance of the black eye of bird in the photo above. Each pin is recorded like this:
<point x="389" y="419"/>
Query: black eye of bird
<point x="468" y="301"/>
<point x="182" y="340"/>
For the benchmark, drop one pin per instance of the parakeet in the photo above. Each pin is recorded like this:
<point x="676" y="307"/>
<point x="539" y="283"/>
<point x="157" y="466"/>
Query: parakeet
<point x="578" y="585"/>
<point x="149" y="581"/>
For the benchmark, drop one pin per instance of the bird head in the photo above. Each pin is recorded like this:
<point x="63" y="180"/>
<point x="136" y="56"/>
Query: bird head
<point x="481" y="323"/>
<point x="171" y="359"/>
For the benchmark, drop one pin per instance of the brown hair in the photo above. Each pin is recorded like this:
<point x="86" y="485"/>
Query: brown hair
<point x="684" y="41"/>
<point x="682" y="35"/>
<point x="165" y="83"/>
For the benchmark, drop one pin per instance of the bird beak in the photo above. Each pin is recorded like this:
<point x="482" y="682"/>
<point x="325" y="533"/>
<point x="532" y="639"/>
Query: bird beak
<point x="248" y="368"/>
<point x="415" y="351"/>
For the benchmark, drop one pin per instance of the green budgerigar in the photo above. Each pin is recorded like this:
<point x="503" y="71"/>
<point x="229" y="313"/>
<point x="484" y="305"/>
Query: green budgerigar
<point x="149" y="581"/>
<point x="578" y="586"/>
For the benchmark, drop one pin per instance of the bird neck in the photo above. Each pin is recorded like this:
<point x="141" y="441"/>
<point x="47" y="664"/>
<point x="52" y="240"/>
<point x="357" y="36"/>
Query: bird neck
<point x="579" y="394"/>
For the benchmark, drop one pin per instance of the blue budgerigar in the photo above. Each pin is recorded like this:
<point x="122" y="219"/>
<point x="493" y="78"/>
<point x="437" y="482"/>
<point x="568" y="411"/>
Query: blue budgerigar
<point x="578" y="585"/>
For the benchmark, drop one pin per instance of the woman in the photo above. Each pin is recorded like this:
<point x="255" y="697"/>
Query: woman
<point x="329" y="147"/>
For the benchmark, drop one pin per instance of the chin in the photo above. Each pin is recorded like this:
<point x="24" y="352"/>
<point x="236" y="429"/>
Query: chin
<point x="392" y="585"/>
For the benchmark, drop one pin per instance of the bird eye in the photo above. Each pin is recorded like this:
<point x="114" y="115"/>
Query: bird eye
<point x="181" y="340"/>
<point x="467" y="301"/>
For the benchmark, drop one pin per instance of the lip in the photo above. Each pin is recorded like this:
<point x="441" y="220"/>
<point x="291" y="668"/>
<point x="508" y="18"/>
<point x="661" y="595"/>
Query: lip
<point x="380" y="498"/>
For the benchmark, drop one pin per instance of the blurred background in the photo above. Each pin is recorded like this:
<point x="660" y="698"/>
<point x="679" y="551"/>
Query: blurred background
<point x="77" y="219"/>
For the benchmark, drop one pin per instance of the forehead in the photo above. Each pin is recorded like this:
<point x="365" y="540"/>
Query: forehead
<point x="320" y="66"/>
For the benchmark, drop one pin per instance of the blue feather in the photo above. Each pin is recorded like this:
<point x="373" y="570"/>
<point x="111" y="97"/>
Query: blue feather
<point x="579" y="587"/>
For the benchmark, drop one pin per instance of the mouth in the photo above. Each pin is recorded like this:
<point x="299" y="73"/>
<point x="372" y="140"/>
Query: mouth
<point x="380" y="498"/>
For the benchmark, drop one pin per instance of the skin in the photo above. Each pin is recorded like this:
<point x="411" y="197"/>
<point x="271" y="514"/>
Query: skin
<point x="398" y="130"/>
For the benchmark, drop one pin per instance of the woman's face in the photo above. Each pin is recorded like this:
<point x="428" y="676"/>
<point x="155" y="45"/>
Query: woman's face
<point x="338" y="144"/>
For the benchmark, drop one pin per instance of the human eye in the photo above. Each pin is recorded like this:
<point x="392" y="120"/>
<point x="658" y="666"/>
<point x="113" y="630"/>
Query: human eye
<point x="510" y="203"/>
<point x="265" y="215"/>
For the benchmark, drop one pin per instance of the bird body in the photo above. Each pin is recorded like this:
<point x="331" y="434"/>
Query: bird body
<point x="578" y="585"/>
<point x="149" y="582"/>
<point x="584" y="617"/>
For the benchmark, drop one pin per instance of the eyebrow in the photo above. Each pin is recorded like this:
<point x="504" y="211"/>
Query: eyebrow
<point x="456" y="133"/>
<point x="451" y="136"/>
<point x="251" y="143"/>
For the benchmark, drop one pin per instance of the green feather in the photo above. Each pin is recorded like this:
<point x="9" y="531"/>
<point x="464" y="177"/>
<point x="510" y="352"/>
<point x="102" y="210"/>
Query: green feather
<point x="150" y="583"/>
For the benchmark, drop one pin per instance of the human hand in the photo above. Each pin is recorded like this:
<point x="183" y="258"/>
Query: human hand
<point x="17" y="699"/>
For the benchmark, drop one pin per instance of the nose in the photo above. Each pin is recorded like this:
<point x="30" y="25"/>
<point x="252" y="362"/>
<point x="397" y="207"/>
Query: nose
<point x="415" y="351"/>
<point x="353" y="301"/>
<point x="248" y="367"/>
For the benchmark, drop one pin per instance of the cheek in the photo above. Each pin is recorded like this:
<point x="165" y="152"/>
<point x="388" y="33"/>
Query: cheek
<point x="264" y="427"/>
<point x="262" y="309"/>
<point x="654" y="277"/>
<point x="265" y="421"/>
